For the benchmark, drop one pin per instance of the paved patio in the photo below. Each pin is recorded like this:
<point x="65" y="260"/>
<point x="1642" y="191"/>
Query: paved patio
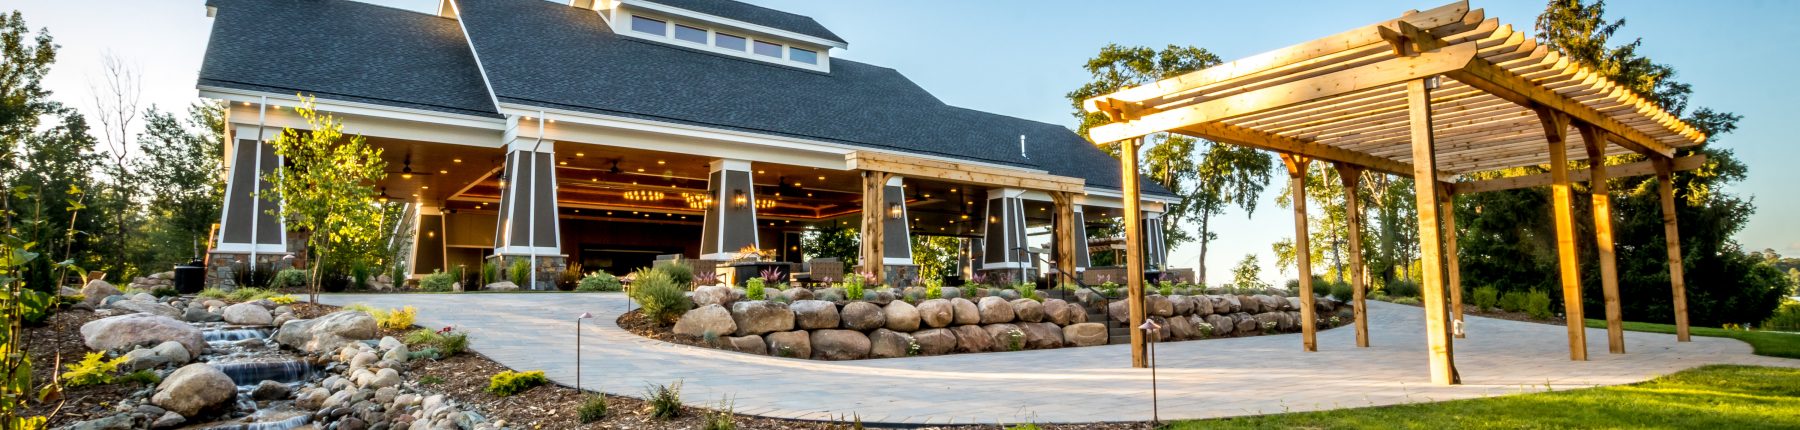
<point x="1197" y="379"/>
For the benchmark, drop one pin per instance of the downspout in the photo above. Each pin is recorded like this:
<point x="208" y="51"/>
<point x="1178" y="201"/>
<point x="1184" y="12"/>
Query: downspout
<point x="262" y="110"/>
<point x="532" y="228"/>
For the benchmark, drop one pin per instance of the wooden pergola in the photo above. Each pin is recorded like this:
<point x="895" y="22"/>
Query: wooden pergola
<point x="1437" y="95"/>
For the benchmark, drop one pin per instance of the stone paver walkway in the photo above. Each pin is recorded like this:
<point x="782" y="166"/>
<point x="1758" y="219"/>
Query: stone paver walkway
<point x="1197" y="379"/>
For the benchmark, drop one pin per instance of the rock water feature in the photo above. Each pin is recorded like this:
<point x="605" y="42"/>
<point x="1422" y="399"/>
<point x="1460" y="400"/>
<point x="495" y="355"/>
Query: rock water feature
<point x="324" y="373"/>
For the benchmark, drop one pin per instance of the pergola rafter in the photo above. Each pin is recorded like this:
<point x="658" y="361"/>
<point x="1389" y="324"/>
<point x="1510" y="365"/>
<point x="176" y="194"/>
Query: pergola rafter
<point x="1438" y="95"/>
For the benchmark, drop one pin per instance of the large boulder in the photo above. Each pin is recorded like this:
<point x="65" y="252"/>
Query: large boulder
<point x="834" y="344"/>
<point x="937" y="313"/>
<point x="901" y="317"/>
<point x="501" y="286"/>
<point x="1203" y="305"/>
<point x="752" y="344"/>
<point x="862" y="316"/>
<point x="1249" y="304"/>
<point x="131" y="330"/>
<point x="1269" y="320"/>
<point x="1027" y="310"/>
<point x="814" y="314"/>
<point x="712" y="295"/>
<point x="761" y="316"/>
<point x="326" y="333"/>
<point x="964" y="312"/>
<point x="147" y="307"/>
<point x="710" y="319"/>
<point x="1245" y="324"/>
<point x="1042" y="335"/>
<point x="1221" y="324"/>
<point x="1058" y="312"/>
<point x="193" y="389"/>
<point x="971" y="338"/>
<point x="1005" y="336"/>
<point x="96" y="292"/>
<point x="995" y="310"/>
<point x="1084" y="334"/>
<point x="1181" y="328"/>
<point x="797" y="294"/>
<point x="1119" y="310"/>
<point x="167" y="353"/>
<point x="1270" y="303"/>
<point x="247" y="314"/>
<point x="1226" y="304"/>
<point x="790" y="344"/>
<point x="1156" y="305"/>
<point x="936" y="341"/>
<point x="884" y="343"/>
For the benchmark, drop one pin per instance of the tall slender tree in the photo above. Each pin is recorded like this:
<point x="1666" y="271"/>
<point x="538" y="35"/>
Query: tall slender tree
<point x="327" y="189"/>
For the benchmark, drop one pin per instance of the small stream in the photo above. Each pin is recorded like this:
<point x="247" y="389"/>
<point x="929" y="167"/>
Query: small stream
<point x="249" y="357"/>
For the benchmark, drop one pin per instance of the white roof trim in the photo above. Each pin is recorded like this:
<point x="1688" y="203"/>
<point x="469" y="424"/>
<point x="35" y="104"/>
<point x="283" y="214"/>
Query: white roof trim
<point x="650" y="5"/>
<point x="355" y="108"/>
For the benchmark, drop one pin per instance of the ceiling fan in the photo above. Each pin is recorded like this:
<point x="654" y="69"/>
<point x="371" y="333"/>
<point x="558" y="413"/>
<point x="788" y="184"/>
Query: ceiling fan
<point x="406" y="171"/>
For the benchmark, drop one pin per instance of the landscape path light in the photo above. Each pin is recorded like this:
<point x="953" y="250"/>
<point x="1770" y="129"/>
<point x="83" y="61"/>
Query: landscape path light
<point x="1150" y="327"/>
<point x="583" y="316"/>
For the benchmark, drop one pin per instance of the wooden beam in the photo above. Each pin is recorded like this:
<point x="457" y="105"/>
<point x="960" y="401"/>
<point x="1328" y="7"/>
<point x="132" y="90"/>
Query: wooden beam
<point x="1296" y="167"/>
<point x="1665" y="185"/>
<point x="1134" y="241"/>
<point x="1439" y="348"/>
<point x="1640" y="168"/>
<point x="961" y="173"/>
<point x="1452" y="261"/>
<point x="1351" y="176"/>
<point x="1065" y="230"/>
<point x="874" y="219"/>
<point x="1380" y="74"/>
<point x="1219" y="132"/>
<point x="1595" y="139"/>
<point x="1556" y="131"/>
<point x="1481" y="74"/>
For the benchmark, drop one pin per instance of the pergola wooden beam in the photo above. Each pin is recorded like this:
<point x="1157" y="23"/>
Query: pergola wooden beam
<point x="1481" y="74"/>
<point x="1640" y="168"/>
<point x="1219" y="132"/>
<point x="1556" y="131"/>
<point x="1296" y="168"/>
<point x="874" y="223"/>
<point x="1439" y="348"/>
<point x="1351" y="175"/>
<point x="1603" y="235"/>
<point x="961" y="173"/>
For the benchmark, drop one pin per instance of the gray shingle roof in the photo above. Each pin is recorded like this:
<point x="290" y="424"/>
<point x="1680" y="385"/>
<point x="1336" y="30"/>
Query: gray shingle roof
<point x="756" y="15"/>
<point x="344" y="50"/>
<point x="544" y="54"/>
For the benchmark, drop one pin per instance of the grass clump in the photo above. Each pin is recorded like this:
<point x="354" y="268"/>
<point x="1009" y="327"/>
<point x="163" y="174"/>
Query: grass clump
<point x="437" y="282"/>
<point x="95" y="369"/>
<point x="591" y="410"/>
<point x="664" y="400"/>
<point x="441" y="343"/>
<point x="722" y="418"/>
<point x="663" y="299"/>
<point x="599" y="281"/>
<point x="141" y="377"/>
<point x="520" y="273"/>
<point x="507" y="382"/>
<point x="1485" y="298"/>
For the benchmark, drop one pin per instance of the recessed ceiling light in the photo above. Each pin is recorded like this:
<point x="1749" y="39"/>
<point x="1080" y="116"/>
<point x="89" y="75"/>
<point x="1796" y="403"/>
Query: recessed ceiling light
<point x="456" y="160"/>
<point x="581" y="154"/>
<point x="821" y="177"/>
<point x="640" y="170"/>
<point x="443" y="172"/>
<point x="659" y="162"/>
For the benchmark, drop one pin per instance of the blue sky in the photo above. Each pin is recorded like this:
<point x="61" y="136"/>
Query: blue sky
<point x="1019" y="57"/>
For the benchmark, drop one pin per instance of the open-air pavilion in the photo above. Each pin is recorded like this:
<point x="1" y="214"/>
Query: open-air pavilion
<point x="1438" y="96"/>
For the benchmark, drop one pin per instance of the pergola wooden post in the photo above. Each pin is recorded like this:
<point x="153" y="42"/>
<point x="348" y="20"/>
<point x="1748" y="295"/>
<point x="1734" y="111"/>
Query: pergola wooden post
<point x="1352" y="176"/>
<point x="1556" y="131"/>
<point x="1065" y="231"/>
<point x="1425" y="174"/>
<point x="1452" y="262"/>
<point x="1665" y="185"/>
<point x="1592" y="139"/>
<point x="874" y="210"/>
<point x="1296" y="167"/>
<point x="1134" y="241"/>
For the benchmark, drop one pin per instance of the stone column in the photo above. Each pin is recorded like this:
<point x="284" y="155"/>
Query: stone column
<point x="527" y="228"/>
<point x="1003" y="236"/>
<point x="251" y="235"/>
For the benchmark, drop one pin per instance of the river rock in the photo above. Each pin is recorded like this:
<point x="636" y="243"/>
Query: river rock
<point x="385" y="377"/>
<point x="328" y="332"/>
<point x="1042" y="335"/>
<point x="884" y="343"/>
<point x="141" y="329"/>
<point x="1084" y="334"/>
<point x="166" y="353"/>
<point x="995" y="310"/>
<point x="271" y="390"/>
<point x="761" y="316"/>
<point x="200" y="315"/>
<point x="167" y="420"/>
<point x="751" y="344"/>
<point x="814" y="314"/>
<point x="96" y="292"/>
<point x="311" y="398"/>
<point x="863" y="316"/>
<point x="901" y="316"/>
<point x="501" y="286"/>
<point x="971" y="338"/>
<point x="193" y="389"/>
<point x="711" y="318"/>
<point x="113" y="422"/>
<point x="936" y="313"/>
<point x="834" y="344"/>
<point x="1005" y="336"/>
<point x="247" y="314"/>
<point x="147" y="307"/>
<point x="791" y="344"/>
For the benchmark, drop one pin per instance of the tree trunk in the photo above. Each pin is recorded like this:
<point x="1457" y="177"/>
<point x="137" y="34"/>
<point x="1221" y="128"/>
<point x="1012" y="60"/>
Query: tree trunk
<point x="1205" y="238"/>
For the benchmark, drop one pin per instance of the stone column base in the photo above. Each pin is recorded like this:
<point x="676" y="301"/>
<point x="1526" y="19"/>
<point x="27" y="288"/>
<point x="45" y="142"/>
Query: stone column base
<point x="225" y="270"/>
<point x="991" y="275"/>
<point x="548" y="268"/>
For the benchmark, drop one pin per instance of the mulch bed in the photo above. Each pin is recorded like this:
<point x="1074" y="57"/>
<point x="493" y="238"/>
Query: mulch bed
<point x="62" y="335"/>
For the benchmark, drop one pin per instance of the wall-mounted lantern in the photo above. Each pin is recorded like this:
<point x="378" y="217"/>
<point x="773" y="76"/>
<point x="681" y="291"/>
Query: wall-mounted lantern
<point x="895" y="210"/>
<point x="739" y="199"/>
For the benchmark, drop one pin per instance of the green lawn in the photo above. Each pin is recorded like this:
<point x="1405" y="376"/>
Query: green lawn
<point x="1711" y="397"/>
<point x="1773" y="344"/>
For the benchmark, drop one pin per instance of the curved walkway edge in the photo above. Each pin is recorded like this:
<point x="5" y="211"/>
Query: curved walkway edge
<point x="1196" y="379"/>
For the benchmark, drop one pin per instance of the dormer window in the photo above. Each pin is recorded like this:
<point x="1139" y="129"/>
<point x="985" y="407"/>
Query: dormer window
<point x="727" y="41"/>
<point x="802" y="55"/>
<point x="691" y="34"/>
<point x="652" y="21"/>
<point x="649" y="25"/>
<point x="767" y="49"/>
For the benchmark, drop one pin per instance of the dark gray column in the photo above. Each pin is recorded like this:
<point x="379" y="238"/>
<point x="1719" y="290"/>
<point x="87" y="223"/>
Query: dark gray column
<point x="730" y="223"/>
<point x="1004" y="232"/>
<point x="428" y="241"/>
<point x="248" y="225"/>
<point x="1082" y="259"/>
<point x="896" y="247"/>
<point x="527" y="228"/>
<point x="1156" y="252"/>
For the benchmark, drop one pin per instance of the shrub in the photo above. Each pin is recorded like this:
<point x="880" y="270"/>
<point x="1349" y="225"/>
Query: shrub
<point x="664" y="400"/>
<point x="968" y="291"/>
<point x="1402" y="288"/>
<point x="1485" y="298"/>
<point x="753" y="289"/>
<point x="283" y="299"/>
<point x="520" y="273"/>
<point x="662" y="299"/>
<point x="507" y="382"/>
<point x="1786" y="317"/>
<point x="246" y="294"/>
<point x="593" y="409"/>
<point x="1165" y="288"/>
<point x="1537" y="304"/>
<point x="853" y="287"/>
<point x="360" y="274"/>
<point x="397" y="319"/>
<point x="679" y="272"/>
<point x="1406" y="300"/>
<point x="443" y="343"/>
<point x="1028" y="290"/>
<point x="599" y="281"/>
<point x="161" y="292"/>
<point x="36" y="306"/>
<point x="934" y="288"/>
<point x="1341" y="291"/>
<point x="490" y="272"/>
<point x="93" y="370"/>
<point x="437" y="282"/>
<point x="289" y="278"/>
<point x="1513" y="301"/>
<point x="568" y="279"/>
